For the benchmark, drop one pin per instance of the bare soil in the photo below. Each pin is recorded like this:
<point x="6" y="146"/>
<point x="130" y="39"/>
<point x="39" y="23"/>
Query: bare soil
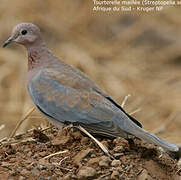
<point x="68" y="154"/>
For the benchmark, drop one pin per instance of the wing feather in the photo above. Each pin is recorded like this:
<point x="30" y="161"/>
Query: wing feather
<point x="65" y="103"/>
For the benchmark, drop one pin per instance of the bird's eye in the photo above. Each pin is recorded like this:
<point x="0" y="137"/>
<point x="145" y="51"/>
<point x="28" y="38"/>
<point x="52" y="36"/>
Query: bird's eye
<point x="23" y="32"/>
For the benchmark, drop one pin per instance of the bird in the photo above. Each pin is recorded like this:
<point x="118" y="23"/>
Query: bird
<point x="65" y="95"/>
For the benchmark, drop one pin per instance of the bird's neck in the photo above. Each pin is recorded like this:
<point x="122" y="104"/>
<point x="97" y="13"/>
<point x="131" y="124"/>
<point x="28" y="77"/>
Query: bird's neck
<point x="37" y="55"/>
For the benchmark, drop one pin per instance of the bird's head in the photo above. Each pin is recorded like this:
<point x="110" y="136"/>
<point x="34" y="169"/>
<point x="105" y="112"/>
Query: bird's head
<point x="25" y="34"/>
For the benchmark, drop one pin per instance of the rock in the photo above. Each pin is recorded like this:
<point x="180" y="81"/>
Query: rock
<point x="84" y="140"/>
<point x="77" y="135"/>
<point x="119" y="149"/>
<point x="41" y="166"/>
<point x="67" y="177"/>
<point x="120" y="141"/>
<point x="179" y="163"/>
<point x="29" y="154"/>
<point x="35" y="172"/>
<point x="86" y="172"/>
<point x="74" y="176"/>
<point x="118" y="155"/>
<point x="177" y="177"/>
<point x="5" y="164"/>
<point x="24" y="172"/>
<point x="58" y="172"/>
<point x="43" y="154"/>
<point x="115" y="175"/>
<point x="116" y="163"/>
<point x="105" y="143"/>
<point x="93" y="161"/>
<point x="93" y="156"/>
<point x="40" y="136"/>
<point x="21" y="178"/>
<point x="60" y="140"/>
<point x="104" y="161"/>
<point x="144" y="175"/>
<point x="120" y="169"/>
<point x="81" y="155"/>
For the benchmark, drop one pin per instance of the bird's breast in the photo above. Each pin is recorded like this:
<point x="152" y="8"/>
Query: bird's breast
<point x="30" y="74"/>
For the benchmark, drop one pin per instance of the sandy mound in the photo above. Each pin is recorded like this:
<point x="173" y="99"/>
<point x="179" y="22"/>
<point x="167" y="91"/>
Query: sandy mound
<point x="51" y="154"/>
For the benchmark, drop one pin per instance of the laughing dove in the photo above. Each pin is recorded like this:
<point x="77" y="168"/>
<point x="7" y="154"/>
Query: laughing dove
<point x="66" y="95"/>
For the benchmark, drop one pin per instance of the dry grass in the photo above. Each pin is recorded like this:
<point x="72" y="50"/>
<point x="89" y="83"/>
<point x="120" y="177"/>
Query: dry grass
<point x="125" y="54"/>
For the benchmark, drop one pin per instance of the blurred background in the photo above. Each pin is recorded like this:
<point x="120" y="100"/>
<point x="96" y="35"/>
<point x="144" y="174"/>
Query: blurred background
<point x="124" y="53"/>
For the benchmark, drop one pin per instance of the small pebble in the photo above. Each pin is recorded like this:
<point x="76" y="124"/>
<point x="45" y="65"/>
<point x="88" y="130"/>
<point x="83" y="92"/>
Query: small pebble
<point x="144" y="175"/>
<point x="86" y="172"/>
<point x="116" y="163"/>
<point x="119" y="149"/>
<point x="104" y="161"/>
<point x="115" y="175"/>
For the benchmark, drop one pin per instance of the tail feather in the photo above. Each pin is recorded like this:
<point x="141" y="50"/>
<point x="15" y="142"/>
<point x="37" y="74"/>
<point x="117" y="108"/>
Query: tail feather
<point x="151" y="138"/>
<point x="128" y="126"/>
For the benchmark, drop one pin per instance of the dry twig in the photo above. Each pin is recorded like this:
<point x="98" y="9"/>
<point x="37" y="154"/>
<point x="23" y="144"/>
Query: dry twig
<point x="54" y="154"/>
<point x="21" y="121"/>
<point x="96" y="141"/>
<point x="135" y="111"/>
<point x="124" y="100"/>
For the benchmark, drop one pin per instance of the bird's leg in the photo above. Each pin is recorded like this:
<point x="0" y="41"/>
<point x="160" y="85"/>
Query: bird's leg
<point x="96" y="141"/>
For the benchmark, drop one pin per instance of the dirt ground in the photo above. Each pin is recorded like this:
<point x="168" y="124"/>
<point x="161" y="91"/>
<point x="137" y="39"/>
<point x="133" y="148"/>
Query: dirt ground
<point x="68" y="154"/>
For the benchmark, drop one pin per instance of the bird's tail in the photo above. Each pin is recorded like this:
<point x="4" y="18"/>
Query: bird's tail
<point x="130" y="127"/>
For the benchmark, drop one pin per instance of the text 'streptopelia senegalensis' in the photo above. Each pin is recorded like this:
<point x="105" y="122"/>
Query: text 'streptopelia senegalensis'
<point x="66" y="95"/>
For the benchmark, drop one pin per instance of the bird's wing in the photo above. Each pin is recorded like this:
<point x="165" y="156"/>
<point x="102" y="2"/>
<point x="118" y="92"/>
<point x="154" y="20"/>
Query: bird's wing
<point x="76" y="79"/>
<point x="56" y="96"/>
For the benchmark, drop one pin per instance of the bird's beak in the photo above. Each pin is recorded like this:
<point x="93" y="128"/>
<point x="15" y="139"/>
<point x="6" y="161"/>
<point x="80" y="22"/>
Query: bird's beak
<point x="8" y="41"/>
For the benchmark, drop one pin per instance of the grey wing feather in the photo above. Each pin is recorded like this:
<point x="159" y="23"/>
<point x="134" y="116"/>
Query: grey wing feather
<point x="68" y="104"/>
